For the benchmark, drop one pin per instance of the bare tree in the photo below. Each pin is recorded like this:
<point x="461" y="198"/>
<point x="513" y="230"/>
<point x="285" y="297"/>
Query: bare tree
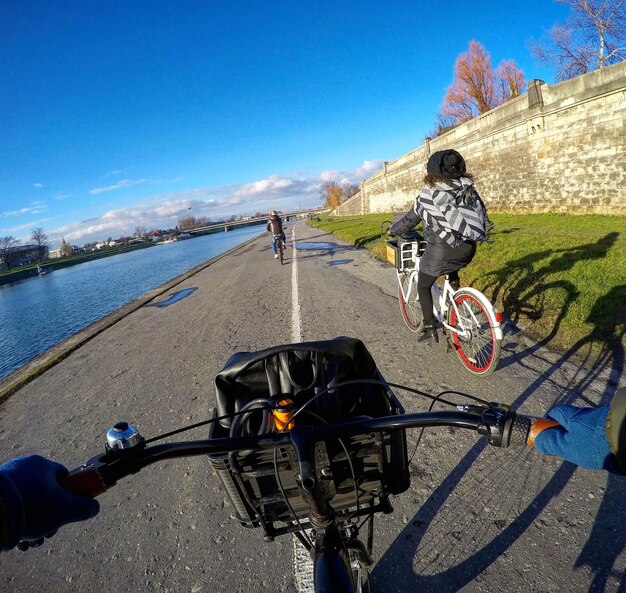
<point x="472" y="90"/>
<point x="330" y="194"/>
<point x="40" y="238"/>
<point x="189" y="222"/>
<point x="477" y="88"/>
<point x="443" y="124"/>
<point x="510" y="81"/>
<point x="186" y="222"/>
<point x="140" y="232"/>
<point x="594" y="36"/>
<point x="203" y="221"/>
<point x="348" y="190"/>
<point x="7" y="250"/>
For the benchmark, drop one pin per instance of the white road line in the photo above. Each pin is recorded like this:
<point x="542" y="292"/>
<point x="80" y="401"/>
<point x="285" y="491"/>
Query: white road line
<point x="296" y="326"/>
<point x="302" y="563"/>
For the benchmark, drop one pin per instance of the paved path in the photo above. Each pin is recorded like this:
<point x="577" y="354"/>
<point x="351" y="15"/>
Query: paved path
<point x="474" y="519"/>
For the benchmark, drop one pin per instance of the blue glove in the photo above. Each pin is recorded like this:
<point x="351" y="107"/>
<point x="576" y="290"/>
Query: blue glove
<point x="36" y="504"/>
<point x="581" y="438"/>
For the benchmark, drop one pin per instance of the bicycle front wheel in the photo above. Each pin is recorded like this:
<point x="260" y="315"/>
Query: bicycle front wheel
<point x="411" y="308"/>
<point x="360" y="574"/>
<point x="474" y="336"/>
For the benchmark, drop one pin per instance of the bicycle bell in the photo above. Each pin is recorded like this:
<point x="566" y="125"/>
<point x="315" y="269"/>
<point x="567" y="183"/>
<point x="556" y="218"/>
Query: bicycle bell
<point x="123" y="436"/>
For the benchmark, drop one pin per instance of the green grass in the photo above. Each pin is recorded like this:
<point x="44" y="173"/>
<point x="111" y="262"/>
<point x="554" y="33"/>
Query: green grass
<point x="561" y="277"/>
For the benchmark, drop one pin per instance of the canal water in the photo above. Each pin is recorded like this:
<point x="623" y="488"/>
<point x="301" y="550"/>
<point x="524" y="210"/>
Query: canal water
<point x="39" y="312"/>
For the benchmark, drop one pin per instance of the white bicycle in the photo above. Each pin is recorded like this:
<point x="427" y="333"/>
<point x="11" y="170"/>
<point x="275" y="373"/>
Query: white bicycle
<point x="468" y="319"/>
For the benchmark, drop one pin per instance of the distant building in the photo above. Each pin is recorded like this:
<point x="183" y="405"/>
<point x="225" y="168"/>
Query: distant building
<point x="24" y="255"/>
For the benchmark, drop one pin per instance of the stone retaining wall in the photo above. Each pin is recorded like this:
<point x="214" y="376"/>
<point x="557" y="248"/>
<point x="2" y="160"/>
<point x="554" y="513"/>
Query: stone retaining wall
<point x="558" y="148"/>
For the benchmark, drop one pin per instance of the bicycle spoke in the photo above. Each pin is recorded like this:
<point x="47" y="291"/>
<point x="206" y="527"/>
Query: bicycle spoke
<point x="409" y="305"/>
<point x="474" y="338"/>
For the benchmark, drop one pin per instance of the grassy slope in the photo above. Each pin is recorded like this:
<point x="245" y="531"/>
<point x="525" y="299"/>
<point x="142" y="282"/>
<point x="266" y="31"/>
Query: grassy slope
<point x="561" y="277"/>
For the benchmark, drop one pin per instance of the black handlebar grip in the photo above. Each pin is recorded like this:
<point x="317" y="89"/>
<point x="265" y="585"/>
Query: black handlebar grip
<point x="524" y="429"/>
<point x="84" y="481"/>
<point x="520" y="428"/>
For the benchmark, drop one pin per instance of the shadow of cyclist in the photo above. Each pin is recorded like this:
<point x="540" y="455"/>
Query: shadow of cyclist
<point x="512" y="280"/>
<point x="608" y="536"/>
<point x="607" y="539"/>
<point x="523" y="286"/>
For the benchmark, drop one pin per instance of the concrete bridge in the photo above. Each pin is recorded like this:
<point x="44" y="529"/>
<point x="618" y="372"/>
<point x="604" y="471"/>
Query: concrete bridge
<point x="286" y="216"/>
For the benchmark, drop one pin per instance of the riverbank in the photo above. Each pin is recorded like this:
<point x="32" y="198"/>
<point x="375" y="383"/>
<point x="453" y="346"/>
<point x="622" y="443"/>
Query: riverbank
<point x="38" y="365"/>
<point x="50" y="265"/>
<point x="559" y="276"/>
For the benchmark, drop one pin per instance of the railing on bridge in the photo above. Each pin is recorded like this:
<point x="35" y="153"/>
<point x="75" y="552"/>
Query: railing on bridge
<point x="250" y="221"/>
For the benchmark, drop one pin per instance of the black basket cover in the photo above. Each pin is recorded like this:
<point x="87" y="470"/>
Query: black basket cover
<point x="299" y="371"/>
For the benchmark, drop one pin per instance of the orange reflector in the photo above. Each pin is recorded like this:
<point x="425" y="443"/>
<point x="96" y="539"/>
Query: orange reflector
<point x="282" y="415"/>
<point x="536" y="426"/>
<point x="498" y="316"/>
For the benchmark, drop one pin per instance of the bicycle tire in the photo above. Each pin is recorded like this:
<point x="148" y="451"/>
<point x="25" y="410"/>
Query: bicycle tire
<point x="304" y="571"/>
<point x="480" y="350"/>
<point x="360" y="576"/>
<point x="302" y="568"/>
<point x="411" y="310"/>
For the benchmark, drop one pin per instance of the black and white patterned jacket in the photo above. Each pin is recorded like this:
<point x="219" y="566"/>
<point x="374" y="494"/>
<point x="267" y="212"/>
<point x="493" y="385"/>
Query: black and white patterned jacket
<point x="452" y="210"/>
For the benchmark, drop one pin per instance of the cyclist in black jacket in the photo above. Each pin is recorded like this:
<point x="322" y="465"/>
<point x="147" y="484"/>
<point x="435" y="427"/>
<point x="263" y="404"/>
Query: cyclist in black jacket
<point x="275" y="226"/>
<point x="33" y="504"/>
<point x="454" y="219"/>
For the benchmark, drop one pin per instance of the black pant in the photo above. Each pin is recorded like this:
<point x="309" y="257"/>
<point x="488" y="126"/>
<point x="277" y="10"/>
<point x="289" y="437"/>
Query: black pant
<point x="424" y="285"/>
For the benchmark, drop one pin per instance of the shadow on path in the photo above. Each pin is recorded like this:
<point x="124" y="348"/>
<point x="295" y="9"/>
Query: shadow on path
<point x="607" y="539"/>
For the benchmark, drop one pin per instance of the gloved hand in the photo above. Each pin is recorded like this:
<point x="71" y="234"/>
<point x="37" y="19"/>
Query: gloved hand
<point x="36" y="503"/>
<point x="581" y="438"/>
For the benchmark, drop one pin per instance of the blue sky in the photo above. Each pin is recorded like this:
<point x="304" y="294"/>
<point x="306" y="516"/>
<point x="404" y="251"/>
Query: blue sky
<point x="118" y="114"/>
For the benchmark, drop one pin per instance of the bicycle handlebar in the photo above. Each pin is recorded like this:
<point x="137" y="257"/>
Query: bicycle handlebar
<point x="128" y="454"/>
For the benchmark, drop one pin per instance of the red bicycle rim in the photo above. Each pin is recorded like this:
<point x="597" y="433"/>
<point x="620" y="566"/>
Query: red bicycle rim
<point x="457" y="343"/>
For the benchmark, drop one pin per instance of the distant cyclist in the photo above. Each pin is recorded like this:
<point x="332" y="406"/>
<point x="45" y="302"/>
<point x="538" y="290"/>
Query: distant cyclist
<point x="275" y="226"/>
<point x="454" y="219"/>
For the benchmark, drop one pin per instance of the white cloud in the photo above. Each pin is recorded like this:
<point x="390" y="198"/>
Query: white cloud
<point x="35" y="209"/>
<point x="119" y="185"/>
<point x="163" y="210"/>
<point x="367" y="169"/>
<point x="132" y="182"/>
<point x="118" y="172"/>
<point x="29" y="225"/>
<point x="272" y="185"/>
<point x="38" y="185"/>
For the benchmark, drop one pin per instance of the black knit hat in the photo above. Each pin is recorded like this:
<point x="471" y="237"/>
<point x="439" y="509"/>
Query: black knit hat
<point x="446" y="163"/>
